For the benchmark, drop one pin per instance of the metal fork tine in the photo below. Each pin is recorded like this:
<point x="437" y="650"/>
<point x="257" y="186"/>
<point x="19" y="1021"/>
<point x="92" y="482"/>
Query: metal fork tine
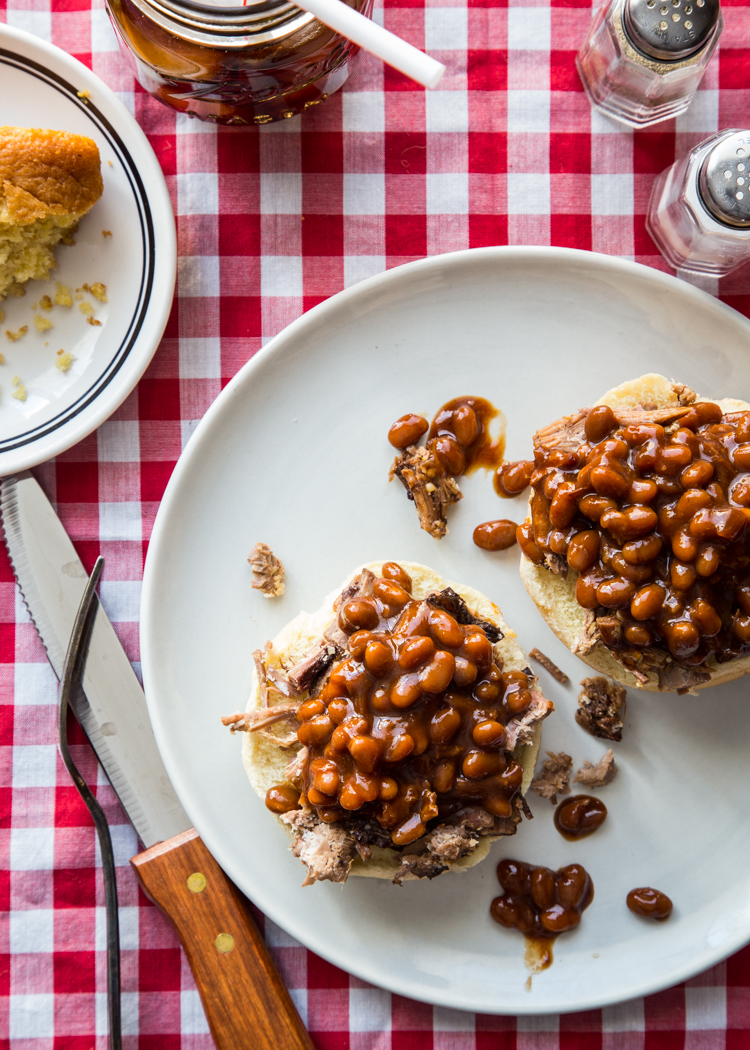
<point x="75" y="660"/>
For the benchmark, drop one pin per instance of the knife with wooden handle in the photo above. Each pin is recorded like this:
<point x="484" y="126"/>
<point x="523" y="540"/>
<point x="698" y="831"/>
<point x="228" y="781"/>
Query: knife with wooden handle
<point x="244" y="997"/>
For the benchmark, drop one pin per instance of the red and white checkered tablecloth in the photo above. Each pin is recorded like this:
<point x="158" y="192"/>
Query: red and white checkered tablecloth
<point x="270" y="222"/>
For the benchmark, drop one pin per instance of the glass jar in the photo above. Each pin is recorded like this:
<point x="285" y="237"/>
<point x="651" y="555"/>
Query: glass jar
<point x="642" y="60"/>
<point x="699" y="212"/>
<point x="251" y="64"/>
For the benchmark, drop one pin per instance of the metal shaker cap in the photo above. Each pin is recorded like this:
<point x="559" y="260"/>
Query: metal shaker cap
<point x="669" y="30"/>
<point x="724" y="180"/>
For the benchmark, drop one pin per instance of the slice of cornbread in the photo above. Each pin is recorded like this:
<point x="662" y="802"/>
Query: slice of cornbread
<point x="48" y="180"/>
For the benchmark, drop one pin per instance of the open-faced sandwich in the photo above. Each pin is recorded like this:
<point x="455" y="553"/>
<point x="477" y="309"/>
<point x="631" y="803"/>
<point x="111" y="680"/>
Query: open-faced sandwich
<point x="395" y="731"/>
<point x="636" y="549"/>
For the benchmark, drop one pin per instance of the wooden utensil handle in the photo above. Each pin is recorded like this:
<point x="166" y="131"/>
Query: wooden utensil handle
<point x="246" y="1002"/>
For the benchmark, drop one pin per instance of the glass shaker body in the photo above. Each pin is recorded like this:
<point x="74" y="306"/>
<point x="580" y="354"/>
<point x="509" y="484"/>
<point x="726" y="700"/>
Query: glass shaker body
<point x="699" y="212"/>
<point x="266" y="60"/>
<point x="641" y="89"/>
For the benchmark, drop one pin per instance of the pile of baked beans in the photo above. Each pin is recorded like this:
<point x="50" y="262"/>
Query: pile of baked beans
<point x="654" y="520"/>
<point x="540" y="902"/>
<point x="458" y="438"/>
<point x="410" y="724"/>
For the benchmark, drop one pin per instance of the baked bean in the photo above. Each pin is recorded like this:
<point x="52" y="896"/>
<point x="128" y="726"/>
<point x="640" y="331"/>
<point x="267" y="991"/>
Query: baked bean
<point x="478" y="649"/>
<point x="608" y="482"/>
<point x="514" y="877"/>
<point x="684" y="546"/>
<point x="583" y="550"/>
<point x="465" y="425"/>
<point x="358" y="614"/>
<point x="437" y="675"/>
<point x="309" y="709"/>
<point x="599" y="422"/>
<point x="579" y="816"/>
<point x="634" y="573"/>
<point x="642" y="490"/>
<point x="512" y="478"/>
<point x="708" y="560"/>
<point x="450" y="455"/>
<point x="558" y="919"/>
<point x="741" y="457"/>
<point x="444" y="778"/>
<point x="702" y="525"/>
<point x="349" y="797"/>
<point x="513" y="914"/>
<point x="557" y="541"/>
<point x="648" y="602"/>
<point x="517" y="700"/>
<point x="642" y="551"/>
<point x="358" y="642"/>
<point x="572" y="885"/>
<point x="742" y="432"/>
<point x="366" y="752"/>
<point x="586" y="591"/>
<point x="697" y="474"/>
<point x="564" y="505"/>
<point x="486" y="692"/>
<point x="315" y="732"/>
<point x="543" y="887"/>
<point x="444" y="725"/>
<point x="740" y="491"/>
<point x="649" y="903"/>
<point x="495" y="535"/>
<point x="742" y="597"/>
<point x="700" y="414"/>
<point x="318" y="798"/>
<point x="388" y="789"/>
<point x="691" y="501"/>
<point x="393" y="597"/>
<point x="616" y="593"/>
<point x="527" y="543"/>
<point x="480" y="764"/>
<point x="445" y="629"/>
<point x="705" y="617"/>
<point x="672" y="459"/>
<point x="683" y="638"/>
<point x="282" y="798"/>
<point x="638" y="634"/>
<point x="552" y="482"/>
<point x="637" y="433"/>
<point x="406" y="690"/>
<point x="465" y="673"/>
<point x="407" y="430"/>
<point x="381" y="700"/>
<point x="729" y="523"/>
<point x="338" y="710"/>
<point x="489" y="735"/>
<point x="415" y="652"/>
<point x="392" y="571"/>
<point x="647" y="456"/>
<point x="411" y="830"/>
<point x="741" y="627"/>
<point x="325" y="777"/>
<point x="399" y="748"/>
<point x="378" y="659"/>
<point x="682" y="576"/>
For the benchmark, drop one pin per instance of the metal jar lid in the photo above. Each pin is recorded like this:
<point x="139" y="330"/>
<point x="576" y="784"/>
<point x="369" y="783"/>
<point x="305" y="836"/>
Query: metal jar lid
<point x="724" y="180"/>
<point x="669" y="30"/>
<point x="228" y="23"/>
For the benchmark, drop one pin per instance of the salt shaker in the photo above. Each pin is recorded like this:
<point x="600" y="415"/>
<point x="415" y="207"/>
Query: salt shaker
<point x="642" y="60"/>
<point x="699" y="212"/>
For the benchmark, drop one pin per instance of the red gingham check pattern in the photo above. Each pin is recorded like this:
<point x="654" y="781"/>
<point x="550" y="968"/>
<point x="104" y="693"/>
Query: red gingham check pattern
<point x="270" y="222"/>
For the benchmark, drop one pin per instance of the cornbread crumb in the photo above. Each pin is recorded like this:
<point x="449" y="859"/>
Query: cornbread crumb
<point x="63" y="360"/>
<point x="19" y="393"/>
<point x="46" y="303"/>
<point x="42" y="323"/>
<point x="2" y="316"/>
<point x="2" y="360"/>
<point x="16" y="291"/>
<point x="85" y="94"/>
<point x="93" y="321"/>
<point x="98" y="290"/>
<point x="16" y="380"/>
<point x="13" y="336"/>
<point x="62" y="295"/>
<point x="78" y="297"/>
<point x="86" y="308"/>
<point x="106" y="233"/>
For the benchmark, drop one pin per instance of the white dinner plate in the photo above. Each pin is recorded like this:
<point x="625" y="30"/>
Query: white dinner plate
<point x="43" y="86"/>
<point x="294" y="453"/>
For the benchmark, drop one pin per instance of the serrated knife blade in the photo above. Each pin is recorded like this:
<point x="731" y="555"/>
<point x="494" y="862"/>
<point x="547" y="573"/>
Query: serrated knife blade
<point x="113" y="712"/>
<point x="246" y="1002"/>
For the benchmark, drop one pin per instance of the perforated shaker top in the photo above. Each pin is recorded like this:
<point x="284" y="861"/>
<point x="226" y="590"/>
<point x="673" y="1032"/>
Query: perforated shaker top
<point x="724" y="179"/>
<point x="670" y="30"/>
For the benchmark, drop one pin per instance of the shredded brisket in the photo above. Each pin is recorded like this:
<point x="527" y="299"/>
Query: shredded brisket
<point x="601" y="708"/>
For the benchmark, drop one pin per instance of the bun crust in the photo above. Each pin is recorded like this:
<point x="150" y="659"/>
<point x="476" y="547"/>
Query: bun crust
<point x="554" y="596"/>
<point x="266" y="764"/>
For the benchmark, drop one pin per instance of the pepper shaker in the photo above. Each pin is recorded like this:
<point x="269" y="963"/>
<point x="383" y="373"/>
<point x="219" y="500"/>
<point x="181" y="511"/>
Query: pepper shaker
<point x="642" y="60"/>
<point x="699" y="212"/>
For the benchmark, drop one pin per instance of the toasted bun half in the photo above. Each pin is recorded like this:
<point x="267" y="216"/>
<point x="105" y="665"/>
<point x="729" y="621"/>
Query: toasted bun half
<point x="266" y="763"/>
<point x="555" y="597"/>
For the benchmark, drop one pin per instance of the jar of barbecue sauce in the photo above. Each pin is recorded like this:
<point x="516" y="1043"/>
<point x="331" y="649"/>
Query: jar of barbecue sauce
<point x="247" y="63"/>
